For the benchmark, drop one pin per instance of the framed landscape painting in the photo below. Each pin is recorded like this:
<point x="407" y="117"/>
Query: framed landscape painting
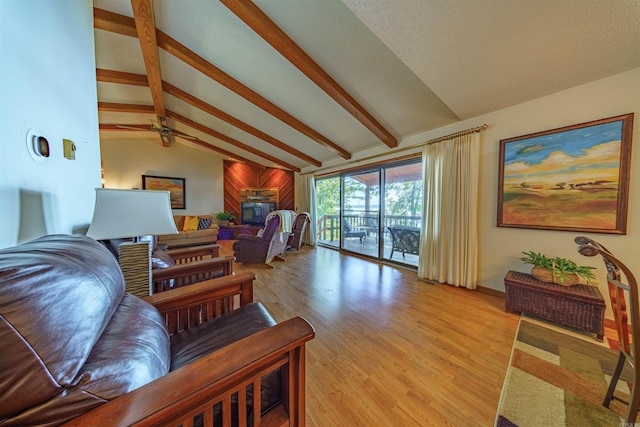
<point x="575" y="178"/>
<point x="175" y="187"/>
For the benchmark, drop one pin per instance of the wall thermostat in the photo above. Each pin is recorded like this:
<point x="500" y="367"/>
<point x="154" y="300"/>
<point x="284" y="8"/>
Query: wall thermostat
<point x="69" y="149"/>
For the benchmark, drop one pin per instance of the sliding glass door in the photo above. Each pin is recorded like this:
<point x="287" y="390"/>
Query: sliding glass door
<point x="403" y="195"/>
<point x="376" y="213"/>
<point x="328" y="207"/>
<point x="360" y="213"/>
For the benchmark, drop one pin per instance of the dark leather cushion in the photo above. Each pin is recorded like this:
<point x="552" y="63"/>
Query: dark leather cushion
<point x="194" y="343"/>
<point x="132" y="351"/>
<point x="57" y="294"/>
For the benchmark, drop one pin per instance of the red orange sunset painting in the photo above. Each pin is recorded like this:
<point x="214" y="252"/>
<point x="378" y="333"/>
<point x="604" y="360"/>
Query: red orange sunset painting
<point x="175" y="187"/>
<point x="574" y="178"/>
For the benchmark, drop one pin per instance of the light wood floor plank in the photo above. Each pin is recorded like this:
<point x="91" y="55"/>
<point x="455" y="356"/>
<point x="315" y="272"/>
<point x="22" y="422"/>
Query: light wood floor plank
<point x="390" y="350"/>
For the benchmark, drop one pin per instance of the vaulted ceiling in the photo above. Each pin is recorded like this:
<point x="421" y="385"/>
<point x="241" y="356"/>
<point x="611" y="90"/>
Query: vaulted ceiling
<point x="296" y="83"/>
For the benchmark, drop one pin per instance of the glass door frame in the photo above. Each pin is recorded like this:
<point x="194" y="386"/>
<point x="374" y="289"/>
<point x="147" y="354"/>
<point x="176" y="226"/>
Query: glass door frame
<point x="361" y="228"/>
<point x="382" y="237"/>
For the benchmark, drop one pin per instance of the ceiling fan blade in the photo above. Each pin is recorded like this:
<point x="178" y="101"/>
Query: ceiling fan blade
<point x="184" y="135"/>
<point x="142" y="128"/>
<point x="156" y="125"/>
<point x="166" y="138"/>
<point x="189" y="137"/>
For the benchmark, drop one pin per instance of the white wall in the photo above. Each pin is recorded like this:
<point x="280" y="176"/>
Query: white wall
<point x="47" y="82"/>
<point x="501" y="247"/>
<point x="126" y="160"/>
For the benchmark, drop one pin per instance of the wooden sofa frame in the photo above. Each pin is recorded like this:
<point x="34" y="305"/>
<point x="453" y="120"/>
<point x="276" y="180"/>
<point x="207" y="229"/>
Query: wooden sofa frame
<point x="177" y="397"/>
<point x="190" y="254"/>
<point x="187" y="274"/>
<point x="193" y="264"/>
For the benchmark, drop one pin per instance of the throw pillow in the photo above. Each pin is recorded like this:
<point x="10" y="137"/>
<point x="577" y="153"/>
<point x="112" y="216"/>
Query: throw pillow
<point x="204" y="223"/>
<point x="190" y="223"/>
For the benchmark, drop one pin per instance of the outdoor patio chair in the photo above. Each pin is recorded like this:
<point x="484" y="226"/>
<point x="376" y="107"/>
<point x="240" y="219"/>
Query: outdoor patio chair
<point x="405" y="239"/>
<point x="358" y="233"/>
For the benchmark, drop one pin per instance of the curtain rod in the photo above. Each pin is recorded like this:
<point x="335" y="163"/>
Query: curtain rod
<point x="429" y="142"/>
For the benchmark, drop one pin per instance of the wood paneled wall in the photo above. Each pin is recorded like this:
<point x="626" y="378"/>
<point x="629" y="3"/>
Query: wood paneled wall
<point x="239" y="175"/>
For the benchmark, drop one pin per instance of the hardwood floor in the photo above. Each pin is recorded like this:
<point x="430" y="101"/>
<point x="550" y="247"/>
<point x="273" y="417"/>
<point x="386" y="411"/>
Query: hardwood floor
<point x="389" y="350"/>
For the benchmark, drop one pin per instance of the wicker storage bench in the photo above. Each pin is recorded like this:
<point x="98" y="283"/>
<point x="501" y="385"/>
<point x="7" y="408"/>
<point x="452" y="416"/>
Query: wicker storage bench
<point x="579" y="306"/>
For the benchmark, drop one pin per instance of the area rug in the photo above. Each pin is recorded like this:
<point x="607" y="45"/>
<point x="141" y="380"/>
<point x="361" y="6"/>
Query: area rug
<point x="558" y="379"/>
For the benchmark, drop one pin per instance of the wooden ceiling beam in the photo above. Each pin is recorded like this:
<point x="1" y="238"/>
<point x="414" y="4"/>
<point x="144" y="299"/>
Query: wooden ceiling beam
<point x="210" y="109"/>
<point x="116" y="107"/>
<point x="109" y="21"/>
<point x="191" y="58"/>
<point x="148" y="109"/>
<point x="111" y="76"/>
<point x="113" y="127"/>
<point x="259" y="22"/>
<point x="231" y="156"/>
<point x="225" y="138"/>
<point x="137" y="79"/>
<point x="114" y="22"/>
<point x="146" y="29"/>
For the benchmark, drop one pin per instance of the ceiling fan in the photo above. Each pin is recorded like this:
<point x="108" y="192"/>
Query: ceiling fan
<point x="167" y="135"/>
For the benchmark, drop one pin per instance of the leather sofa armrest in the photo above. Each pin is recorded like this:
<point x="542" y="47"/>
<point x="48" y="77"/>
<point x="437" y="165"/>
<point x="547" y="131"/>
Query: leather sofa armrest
<point x="174" y="398"/>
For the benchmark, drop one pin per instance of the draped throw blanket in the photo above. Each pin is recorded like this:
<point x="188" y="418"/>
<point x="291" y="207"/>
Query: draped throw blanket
<point x="449" y="241"/>
<point x="286" y="219"/>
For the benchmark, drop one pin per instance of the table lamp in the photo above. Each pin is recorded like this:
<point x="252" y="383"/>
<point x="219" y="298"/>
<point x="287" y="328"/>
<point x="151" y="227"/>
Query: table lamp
<point x="130" y="214"/>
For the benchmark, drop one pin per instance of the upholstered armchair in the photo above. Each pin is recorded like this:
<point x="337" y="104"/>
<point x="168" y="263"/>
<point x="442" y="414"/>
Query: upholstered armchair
<point x="263" y="249"/>
<point x="297" y="232"/>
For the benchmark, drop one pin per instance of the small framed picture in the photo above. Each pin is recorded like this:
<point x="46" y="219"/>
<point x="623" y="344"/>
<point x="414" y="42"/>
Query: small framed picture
<point x="175" y="187"/>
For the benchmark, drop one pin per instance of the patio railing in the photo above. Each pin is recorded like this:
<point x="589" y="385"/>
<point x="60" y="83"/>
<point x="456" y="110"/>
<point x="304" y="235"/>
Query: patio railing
<point x="329" y="225"/>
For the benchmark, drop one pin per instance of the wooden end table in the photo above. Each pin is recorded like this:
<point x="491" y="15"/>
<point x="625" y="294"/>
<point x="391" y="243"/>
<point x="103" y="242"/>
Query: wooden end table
<point x="580" y="306"/>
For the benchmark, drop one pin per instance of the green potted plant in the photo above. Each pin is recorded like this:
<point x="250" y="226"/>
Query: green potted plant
<point x="561" y="271"/>
<point x="224" y="218"/>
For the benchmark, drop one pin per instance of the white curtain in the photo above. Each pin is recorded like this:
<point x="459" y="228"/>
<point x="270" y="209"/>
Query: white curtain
<point x="449" y="239"/>
<point x="308" y="204"/>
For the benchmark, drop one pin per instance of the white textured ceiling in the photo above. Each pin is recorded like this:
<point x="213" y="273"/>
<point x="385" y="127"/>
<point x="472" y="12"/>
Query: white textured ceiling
<point x="414" y="65"/>
<point x="483" y="55"/>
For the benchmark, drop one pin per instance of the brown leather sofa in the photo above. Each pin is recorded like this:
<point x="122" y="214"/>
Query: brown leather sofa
<point x="77" y="349"/>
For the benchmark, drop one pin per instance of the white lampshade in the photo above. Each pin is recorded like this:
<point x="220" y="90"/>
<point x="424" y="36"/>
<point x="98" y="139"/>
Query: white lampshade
<point x="131" y="213"/>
